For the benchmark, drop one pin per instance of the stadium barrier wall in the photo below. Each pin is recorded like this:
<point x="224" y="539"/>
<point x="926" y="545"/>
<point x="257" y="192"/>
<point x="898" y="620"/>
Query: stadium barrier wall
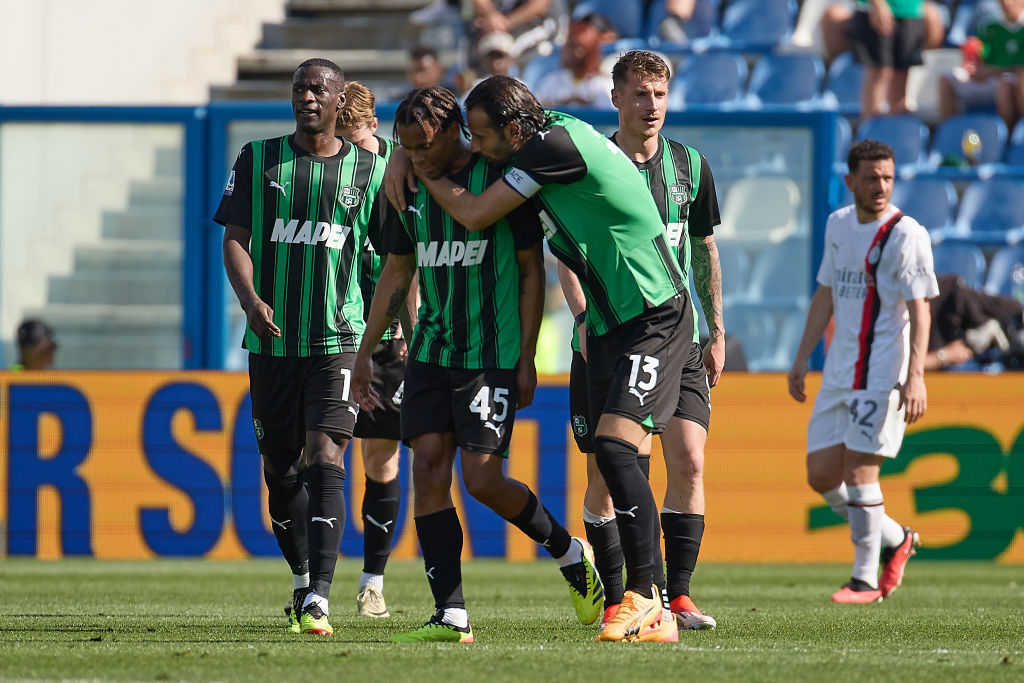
<point x="138" y="465"/>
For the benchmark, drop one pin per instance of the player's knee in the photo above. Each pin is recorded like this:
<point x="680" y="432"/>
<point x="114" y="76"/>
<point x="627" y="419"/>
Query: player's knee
<point x="380" y="460"/>
<point x="430" y="473"/>
<point x="821" y="482"/>
<point x="482" y="483"/>
<point x="281" y="488"/>
<point x="687" y="466"/>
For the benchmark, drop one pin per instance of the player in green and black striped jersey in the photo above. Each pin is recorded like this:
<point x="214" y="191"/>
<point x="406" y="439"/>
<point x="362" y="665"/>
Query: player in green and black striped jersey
<point x="683" y="189"/>
<point x="600" y="220"/>
<point x="296" y="212"/>
<point x="471" y="360"/>
<point x="379" y="429"/>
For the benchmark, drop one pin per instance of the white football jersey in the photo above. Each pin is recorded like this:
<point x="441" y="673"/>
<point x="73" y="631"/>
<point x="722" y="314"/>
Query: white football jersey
<point x="873" y="269"/>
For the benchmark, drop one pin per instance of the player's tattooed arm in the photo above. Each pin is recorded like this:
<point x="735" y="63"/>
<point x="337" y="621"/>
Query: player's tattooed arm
<point x="388" y="299"/>
<point x="707" y="273"/>
<point x="531" y="312"/>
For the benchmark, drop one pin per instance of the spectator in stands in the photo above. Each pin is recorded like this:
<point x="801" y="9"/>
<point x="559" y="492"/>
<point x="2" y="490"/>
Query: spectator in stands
<point x="37" y="347"/>
<point x="530" y="22"/>
<point x="437" y="12"/>
<point x="968" y="324"/>
<point x="497" y="57"/>
<point x="993" y="67"/>
<point x="424" y="68"/>
<point x="673" y="26"/>
<point x="887" y="37"/>
<point x="580" y="83"/>
<point x="837" y="23"/>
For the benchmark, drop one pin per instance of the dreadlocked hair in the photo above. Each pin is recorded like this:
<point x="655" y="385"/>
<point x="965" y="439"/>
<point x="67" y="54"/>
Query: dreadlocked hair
<point x="432" y="109"/>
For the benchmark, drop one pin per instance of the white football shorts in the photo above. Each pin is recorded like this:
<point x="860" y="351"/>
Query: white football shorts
<point x="864" y="421"/>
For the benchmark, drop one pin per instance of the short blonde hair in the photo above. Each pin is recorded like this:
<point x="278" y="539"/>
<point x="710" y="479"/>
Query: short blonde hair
<point x="359" y="105"/>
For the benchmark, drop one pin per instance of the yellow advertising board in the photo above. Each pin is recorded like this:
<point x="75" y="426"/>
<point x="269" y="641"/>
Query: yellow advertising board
<point x="144" y="464"/>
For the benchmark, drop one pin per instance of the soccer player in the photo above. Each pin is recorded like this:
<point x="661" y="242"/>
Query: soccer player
<point x="683" y="188"/>
<point x="296" y="212"/>
<point x="471" y="362"/>
<point x="600" y="220"/>
<point x="378" y="429"/>
<point x="876" y="276"/>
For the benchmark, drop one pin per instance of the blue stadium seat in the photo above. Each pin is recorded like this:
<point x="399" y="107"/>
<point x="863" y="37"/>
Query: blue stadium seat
<point x="756" y="331"/>
<point x="906" y="134"/>
<point x="735" y="267"/>
<point x="992" y="211"/>
<point x="842" y="84"/>
<point x="628" y="17"/>
<point x="775" y="279"/>
<point x="708" y="78"/>
<point x="1015" y="150"/>
<point x="958" y="258"/>
<point x="948" y="138"/>
<point x="540" y="66"/>
<point x="703" y="22"/>
<point x="844" y="134"/>
<point x="786" y="79"/>
<point x="758" y="25"/>
<point x="931" y="201"/>
<point x="1006" y="273"/>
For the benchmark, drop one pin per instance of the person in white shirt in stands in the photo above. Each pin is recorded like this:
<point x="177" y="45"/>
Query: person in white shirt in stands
<point x="580" y="83"/>
<point x="875" y="280"/>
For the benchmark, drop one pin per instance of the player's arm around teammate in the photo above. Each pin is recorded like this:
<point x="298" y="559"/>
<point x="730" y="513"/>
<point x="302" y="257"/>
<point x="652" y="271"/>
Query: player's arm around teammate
<point x="531" y="313"/>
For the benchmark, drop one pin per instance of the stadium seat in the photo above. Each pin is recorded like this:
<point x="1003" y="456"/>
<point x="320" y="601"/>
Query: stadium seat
<point x="1015" y="150"/>
<point x="756" y="331"/>
<point x="757" y="25"/>
<point x="628" y="17"/>
<point x="735" y="267"/>
<point x="1006" y="273"/>
<point x="791" y="79"/>
<point x="791" y="329"/>
<point x="701" y="24"/>
<point x="958" y="258"/>
<point x="992" y="212"/>
<point x="778" y="278"/>
<point x="760" y="209"/>
<point x="710" y="78"/>
<point x="948" y="138"/>
<point x="844" y="133"/>
<point x="931" y="201"/>
<point x="540" y="66"/>
<point x="906" y="134"/>
<point x="842" y="84"/>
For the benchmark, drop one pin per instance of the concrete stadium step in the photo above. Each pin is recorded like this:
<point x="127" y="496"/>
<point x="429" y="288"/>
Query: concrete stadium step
<point x="355" y="63"/>
<point x="132" y="255"/>
<point x="118" y="288"/>
<point x="147" y="223"/>
<point x="363" y="31"/>
<point x="325" y="7"/>
<point x="104" y="318"/>
<point x="169" y="163"/>
<point x="161" y="191"/>
<point x="119" y="351"/>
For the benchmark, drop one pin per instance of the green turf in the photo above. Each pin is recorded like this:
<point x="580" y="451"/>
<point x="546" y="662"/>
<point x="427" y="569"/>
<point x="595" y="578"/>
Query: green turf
<point x="201" y="620"/>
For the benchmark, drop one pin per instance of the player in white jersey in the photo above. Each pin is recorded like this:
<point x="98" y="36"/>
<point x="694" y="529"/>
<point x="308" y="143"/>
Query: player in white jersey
<point x="876" y="276"/>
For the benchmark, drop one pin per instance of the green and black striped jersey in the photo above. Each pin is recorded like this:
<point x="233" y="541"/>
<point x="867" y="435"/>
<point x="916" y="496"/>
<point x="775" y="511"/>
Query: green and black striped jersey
<point x="599" y="219"/>
<point x="469" y="281"/>
<point x="373" y="262"/>
<point x="309" y="217"/>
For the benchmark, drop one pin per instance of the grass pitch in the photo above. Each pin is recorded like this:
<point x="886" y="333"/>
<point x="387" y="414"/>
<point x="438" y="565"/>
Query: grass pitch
<point x="199" y="620"/>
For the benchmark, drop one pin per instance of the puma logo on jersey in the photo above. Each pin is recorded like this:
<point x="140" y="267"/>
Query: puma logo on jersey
<point x="640" y="397"/>
<point x="332" y="235"/>
<point x="383" y="527"/>
<point x="416" y="210"/>
<point x="496" y="428"/>
<point x="353" y="410"/>
<point x="631" y="512"/>
<point x="283" y="188"/>
<point x="283" y="525"/>
<point x="543" y="134"/>
<point x="439" y="254"/>
<point x="430" y="573"/>
<point x="329" y="521"/>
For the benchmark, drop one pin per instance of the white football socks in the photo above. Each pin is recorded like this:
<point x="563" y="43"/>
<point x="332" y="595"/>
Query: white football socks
<point x="456" y="616"/>
<point x="866" y="509"/>
<point x="374" y="580"/>
<point x="300" y="581"/>
<point x="573" y="555"/>
<point x="838" y="498"/>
